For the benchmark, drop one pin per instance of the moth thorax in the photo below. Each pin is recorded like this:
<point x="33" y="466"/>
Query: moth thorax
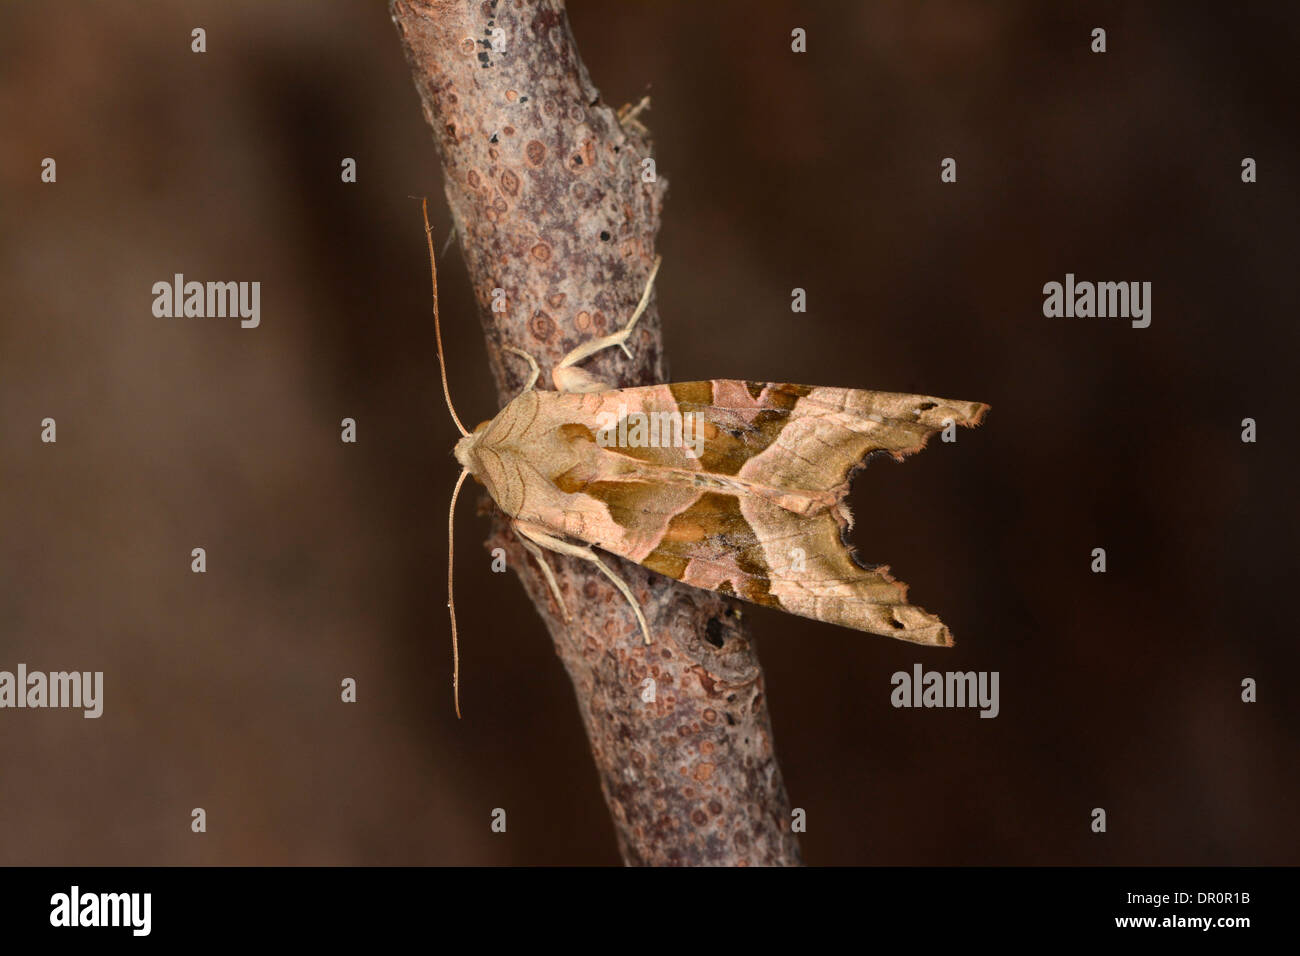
<point x="487" y="466"/>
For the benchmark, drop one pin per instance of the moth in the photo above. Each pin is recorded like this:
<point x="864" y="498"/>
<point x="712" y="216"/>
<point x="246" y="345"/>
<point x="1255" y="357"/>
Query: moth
<point x="734" y="486"/>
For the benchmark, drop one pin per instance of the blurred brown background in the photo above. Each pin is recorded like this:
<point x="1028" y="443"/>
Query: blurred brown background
<point x="819" y="170"/>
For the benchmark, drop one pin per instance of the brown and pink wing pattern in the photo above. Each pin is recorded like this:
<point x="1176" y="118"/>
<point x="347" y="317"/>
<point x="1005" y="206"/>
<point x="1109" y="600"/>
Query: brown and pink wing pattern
<point x="759" y="513"/>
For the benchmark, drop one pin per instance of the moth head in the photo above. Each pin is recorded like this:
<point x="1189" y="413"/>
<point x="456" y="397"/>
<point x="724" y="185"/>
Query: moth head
<point x="465" y="451"/>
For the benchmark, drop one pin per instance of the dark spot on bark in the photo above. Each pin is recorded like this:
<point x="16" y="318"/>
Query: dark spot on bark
<point x="731" y="721"/>
<point x="483" y="58"/>
<point x="705" y="678"/>
<point x="617" y="148"/>
<point x="713" y="632"/>
<point x="731" y="698"/>
<point x="541" y="326"/>
<point x="896" y="624"/>
<point x="535" y="151"/>
<point x="493" y="138"/>
<point x="926" y="406"/>
<point x="604" y="235"/>
<point x="757" y="704"/>
<point x="523" y="99"/>
<point x="545" y="21"/>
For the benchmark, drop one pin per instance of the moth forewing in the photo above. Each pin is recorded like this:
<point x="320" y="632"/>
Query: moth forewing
<point x="761" y="480"/>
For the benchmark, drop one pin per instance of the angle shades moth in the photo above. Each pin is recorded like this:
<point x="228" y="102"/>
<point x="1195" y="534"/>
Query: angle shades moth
<point x="734" y="486"/>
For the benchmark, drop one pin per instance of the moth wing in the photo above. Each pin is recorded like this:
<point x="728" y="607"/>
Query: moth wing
<point x="765" y="518"/>
<point x="811" y="438"/>
<point x="756" y="550"/>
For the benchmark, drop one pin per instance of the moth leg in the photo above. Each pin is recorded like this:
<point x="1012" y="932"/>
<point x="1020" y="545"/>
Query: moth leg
<point x="570" y="379"/>
<point x="627" y="116"/>
<point x="552" y="543"/>
<point x="536" y="552"/>
<point x="532" y="365"/>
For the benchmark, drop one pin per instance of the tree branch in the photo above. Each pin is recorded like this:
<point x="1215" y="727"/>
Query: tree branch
<point x="550" y="205"/>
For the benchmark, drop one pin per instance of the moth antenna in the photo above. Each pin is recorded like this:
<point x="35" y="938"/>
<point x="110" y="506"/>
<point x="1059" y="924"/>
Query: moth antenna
<point x="437" y="325"/>
<point x="451" y="599"/>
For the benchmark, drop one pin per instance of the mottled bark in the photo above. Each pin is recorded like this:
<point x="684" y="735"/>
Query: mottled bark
<point x="551" y="207"/>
